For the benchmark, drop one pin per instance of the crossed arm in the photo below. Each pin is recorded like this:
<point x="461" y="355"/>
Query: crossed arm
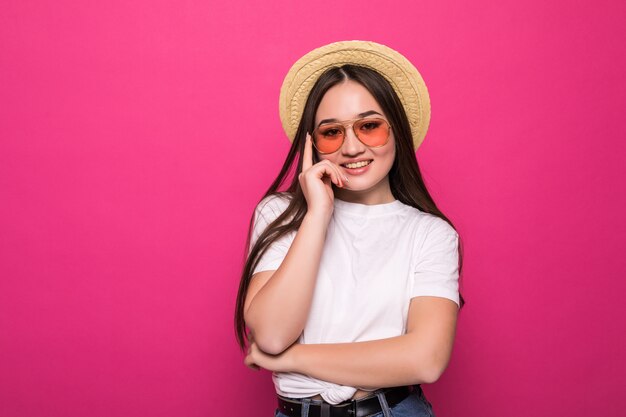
<point x="419" y="356"/>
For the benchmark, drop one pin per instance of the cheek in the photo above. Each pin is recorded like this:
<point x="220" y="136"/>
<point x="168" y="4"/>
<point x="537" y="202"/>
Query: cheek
<point x="390" y="154"/>
<point x="322" y="158"/>
<point x="388" y="159"/>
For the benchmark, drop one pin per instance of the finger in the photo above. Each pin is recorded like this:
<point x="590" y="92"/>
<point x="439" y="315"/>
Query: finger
<point x="340" y="172"/>
<point x="307" y="156"/>
<point x="250" y="364"/>
<point x="325" y="169"/>
<point x="335" y="169"/>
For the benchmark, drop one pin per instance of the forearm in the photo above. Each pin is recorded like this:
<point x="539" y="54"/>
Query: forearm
<point x="373" y="364"/>
<point x="278" y="312"/>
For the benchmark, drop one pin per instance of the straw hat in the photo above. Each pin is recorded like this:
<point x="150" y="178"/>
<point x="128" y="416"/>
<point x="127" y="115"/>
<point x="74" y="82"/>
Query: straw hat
<point x="401" y="74"/>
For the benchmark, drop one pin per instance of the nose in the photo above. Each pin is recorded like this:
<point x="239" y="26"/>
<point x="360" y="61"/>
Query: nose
<point x="351" y="144"/>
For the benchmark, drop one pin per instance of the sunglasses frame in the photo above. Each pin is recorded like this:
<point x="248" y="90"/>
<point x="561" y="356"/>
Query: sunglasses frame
<point x="344" y="124"/>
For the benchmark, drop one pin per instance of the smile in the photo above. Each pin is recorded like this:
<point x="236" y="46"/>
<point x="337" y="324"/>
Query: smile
<point x="357" y="164"/>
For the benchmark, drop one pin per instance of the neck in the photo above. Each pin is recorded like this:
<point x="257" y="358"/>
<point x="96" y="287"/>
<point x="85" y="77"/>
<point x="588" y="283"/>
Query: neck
<point x="380" y="194"/>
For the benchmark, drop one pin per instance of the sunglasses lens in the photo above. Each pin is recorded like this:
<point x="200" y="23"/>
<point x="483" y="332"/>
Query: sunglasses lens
<point x="372" y="132"/>
<point x="328" y="138"/>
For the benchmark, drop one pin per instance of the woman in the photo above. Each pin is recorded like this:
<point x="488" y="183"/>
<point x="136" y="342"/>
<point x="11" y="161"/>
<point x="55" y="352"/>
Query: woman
<point x="350" y="288"/>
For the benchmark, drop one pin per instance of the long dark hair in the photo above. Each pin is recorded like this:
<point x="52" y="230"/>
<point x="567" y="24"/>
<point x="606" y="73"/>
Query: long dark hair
<point x="405" y="178"/>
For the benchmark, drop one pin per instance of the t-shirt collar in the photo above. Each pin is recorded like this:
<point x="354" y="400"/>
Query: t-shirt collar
<point x="359" y="209"/>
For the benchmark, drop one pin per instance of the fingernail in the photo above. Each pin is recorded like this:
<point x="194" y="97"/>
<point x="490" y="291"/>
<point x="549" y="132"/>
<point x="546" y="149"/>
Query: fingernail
<point x="347" y="180"/>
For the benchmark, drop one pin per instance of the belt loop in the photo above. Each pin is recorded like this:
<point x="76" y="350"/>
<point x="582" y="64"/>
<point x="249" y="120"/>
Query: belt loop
<point x="325" y="410"/>
<point x="304" y="411"/>
<point x="383" y="403"/>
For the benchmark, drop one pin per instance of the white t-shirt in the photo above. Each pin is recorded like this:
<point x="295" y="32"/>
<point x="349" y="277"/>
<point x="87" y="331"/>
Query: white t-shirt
<point x="375" y="259"/>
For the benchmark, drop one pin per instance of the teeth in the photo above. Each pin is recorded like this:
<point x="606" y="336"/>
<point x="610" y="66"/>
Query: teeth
<point x="357" y="164"/>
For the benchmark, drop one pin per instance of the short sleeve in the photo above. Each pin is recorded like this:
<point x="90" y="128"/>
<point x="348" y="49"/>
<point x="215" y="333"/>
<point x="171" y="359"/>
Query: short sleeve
<point x="266" y="212"/>
<point x="436" y="271"/>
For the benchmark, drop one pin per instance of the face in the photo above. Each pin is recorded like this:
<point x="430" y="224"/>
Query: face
<point x="369" y="184"/>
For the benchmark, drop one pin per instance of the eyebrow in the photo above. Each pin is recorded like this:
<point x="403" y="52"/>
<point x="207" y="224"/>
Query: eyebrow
<point x="364" y="114"/>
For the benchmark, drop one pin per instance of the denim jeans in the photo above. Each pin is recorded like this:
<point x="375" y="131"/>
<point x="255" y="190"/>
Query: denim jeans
<point x="415" y="405"/>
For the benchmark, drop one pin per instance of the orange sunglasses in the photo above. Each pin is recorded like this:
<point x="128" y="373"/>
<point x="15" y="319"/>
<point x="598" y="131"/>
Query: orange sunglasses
<point x="371" y="131"/>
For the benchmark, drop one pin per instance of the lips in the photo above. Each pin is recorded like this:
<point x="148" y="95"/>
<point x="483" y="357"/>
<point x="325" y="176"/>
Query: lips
<point x="357" y="164"/>
<point x="357" y="171"/>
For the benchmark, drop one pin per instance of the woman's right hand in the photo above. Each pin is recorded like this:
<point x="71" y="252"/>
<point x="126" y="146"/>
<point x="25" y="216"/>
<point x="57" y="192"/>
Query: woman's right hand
<point x="316" y="181"/>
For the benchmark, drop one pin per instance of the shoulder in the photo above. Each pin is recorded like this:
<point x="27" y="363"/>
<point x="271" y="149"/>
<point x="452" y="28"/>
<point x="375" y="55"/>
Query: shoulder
<point x="429" y="224"/>
<point x="439" y="227"/>
<point x="432" y="234"/>
<point x="273" y="205"/>
<point x="440" y="240"/>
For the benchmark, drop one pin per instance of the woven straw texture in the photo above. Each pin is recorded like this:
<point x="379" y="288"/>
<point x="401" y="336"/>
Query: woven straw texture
<point x="401" y="74"/>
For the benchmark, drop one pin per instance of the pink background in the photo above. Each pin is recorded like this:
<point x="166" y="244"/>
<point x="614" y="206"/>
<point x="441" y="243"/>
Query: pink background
<point x="137" y="137"/>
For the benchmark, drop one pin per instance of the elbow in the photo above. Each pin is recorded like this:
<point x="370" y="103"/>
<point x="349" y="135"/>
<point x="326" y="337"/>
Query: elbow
<point x="270" y="338"/>
<point x="429" y="371"/>
<point x="271" y="344"/>
<point x="431" y="375"/>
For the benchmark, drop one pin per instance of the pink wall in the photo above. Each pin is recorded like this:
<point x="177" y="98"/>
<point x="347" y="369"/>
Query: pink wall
<point x="136" y="138"/>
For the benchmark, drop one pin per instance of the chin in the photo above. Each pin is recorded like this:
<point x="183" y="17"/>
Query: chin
<point x="356" y="186"/>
